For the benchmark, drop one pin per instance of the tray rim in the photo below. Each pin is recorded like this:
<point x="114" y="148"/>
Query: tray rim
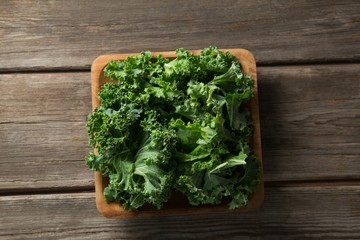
<point x="114" y="209"/>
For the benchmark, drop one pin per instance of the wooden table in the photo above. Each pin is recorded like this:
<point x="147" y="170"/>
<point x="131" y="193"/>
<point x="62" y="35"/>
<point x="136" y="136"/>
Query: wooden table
<point x="308" y="56"/>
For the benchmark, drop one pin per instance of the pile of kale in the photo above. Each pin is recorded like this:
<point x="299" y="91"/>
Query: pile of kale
<point x="175" y="125"/>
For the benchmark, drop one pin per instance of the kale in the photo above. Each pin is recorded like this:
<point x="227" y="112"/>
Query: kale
<point x="179" y="125"/>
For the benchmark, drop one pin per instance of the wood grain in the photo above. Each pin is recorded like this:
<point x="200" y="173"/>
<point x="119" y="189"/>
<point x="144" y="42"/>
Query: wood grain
<point x="71" y="34"/>
<point x="288" y="213"/>
<point x="309" y="120"/>
<point x="45" y="97"/>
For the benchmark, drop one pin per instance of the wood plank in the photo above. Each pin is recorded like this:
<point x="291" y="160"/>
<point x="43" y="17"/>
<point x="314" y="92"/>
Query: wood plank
<point x="44" y="97"/>
<point x="308" y="115"/>
<point x="330" y="212"/>
<point x="71" y="34"/>
<point x="43" y="155"/>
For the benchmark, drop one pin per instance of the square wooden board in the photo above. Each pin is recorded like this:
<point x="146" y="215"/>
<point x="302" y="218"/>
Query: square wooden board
<point x="177" y="205"/>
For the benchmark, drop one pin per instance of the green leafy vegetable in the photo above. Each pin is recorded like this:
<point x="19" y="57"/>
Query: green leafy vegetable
<point x="178" y="125"/>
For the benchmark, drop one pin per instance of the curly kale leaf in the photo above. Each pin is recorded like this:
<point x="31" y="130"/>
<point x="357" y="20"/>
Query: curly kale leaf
<point x="139" y="168"/>
<point x="138" y="179"/>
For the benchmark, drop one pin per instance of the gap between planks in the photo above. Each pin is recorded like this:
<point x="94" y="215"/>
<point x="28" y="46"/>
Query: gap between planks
<point x="46" y="191"/>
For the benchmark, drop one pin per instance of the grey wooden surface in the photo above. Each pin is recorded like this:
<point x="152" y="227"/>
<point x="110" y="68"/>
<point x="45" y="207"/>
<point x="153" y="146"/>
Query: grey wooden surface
<point x="296" y="212"/>
<point x="308" y="56"/>
<point x="70" y="34"/>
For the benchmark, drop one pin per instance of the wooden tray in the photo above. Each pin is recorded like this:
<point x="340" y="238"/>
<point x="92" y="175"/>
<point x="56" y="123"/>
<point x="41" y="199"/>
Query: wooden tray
<point x="178" y="203"/>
